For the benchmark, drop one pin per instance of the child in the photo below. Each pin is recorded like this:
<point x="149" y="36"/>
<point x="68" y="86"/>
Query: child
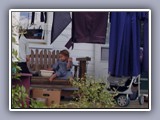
<point x="62" y="68"/>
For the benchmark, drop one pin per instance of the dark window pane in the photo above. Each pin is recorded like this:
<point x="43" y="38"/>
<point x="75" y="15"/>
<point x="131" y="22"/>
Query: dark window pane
<point x="104" y="53"/>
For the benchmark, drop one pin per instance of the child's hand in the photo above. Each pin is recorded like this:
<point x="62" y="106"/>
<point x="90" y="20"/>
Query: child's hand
<point x="70" y="59"/>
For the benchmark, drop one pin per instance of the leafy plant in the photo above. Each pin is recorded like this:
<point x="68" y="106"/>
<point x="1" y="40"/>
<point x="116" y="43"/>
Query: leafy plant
<point x="15" y="71"/>
<point x="93" y="93"/>
<point x="37" y="104"/>
<point x="19" y="93"/>
<point x="19" y="97"/>
<point x="15" y="68"/>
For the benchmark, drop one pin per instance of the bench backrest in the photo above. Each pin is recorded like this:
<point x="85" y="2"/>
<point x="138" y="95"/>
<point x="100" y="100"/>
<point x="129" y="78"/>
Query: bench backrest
<point x="42" y="59"/>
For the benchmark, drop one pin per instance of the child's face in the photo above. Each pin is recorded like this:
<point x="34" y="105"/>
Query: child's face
<point x="62" y="57"/>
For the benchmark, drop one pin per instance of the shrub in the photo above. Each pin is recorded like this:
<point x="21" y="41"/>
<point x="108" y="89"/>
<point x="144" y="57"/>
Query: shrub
<point x="93" y="93"/>
<point x="19" y="96"/>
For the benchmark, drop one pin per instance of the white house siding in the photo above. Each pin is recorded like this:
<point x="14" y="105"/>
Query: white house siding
<point x="101" y="66"/>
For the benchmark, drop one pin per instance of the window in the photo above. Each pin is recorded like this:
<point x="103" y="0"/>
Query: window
<point x="104" y="53"/>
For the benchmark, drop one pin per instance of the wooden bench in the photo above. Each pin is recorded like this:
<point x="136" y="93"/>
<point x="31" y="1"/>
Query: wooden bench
<point x="44" y="59"/>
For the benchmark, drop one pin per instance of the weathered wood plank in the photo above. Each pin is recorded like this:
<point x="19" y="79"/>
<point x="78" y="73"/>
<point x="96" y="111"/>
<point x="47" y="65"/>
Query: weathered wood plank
<point x="41" y="60"/>
<point x="45" y="59"/>
<point x="49" y="59"/>
<point x="50" y="86"/>
<point x="53" y="56"/>
<point x="32" y="65"/>
<point x="45" y="80"/>
<point x="57" y="54"/>
<point x="36" y="60"/>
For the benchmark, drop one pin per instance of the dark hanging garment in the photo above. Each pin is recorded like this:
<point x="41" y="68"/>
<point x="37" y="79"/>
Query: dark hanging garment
<point x="32" y="18"/>
<point x="45" y="14"/>
<point x="124" y="44"/>
<point x="88" y="27"/>
<point x="43" y="17"/>
<point x="60" y="22"/>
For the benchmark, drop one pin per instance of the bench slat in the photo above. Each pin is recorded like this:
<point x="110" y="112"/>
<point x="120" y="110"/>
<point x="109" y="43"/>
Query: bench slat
<point x="41" y="59"/>
<point x="49" y="59"/>
<point x="45" y="80"/>
<point x="53" y="56"/>
<point x="45" y="59"/>
<point x="32" y="65"/>
<point x="36" y="61"/>
<point x="50" y="86"/>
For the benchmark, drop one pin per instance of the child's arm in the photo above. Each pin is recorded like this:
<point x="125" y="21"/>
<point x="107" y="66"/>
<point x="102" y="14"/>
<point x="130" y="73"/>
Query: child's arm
<point x="69" y="64"/>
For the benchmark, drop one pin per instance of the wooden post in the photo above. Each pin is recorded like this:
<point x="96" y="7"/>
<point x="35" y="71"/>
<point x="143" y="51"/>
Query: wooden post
<point x="83" y="66"/>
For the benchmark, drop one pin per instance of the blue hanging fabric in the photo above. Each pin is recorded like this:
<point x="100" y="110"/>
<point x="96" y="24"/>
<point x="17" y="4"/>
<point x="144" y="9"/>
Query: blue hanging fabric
<point x="124" y="49"/>
<point x="146" y="40"/>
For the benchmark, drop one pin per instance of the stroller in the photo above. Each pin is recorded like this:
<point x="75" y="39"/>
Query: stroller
<point x="128" y="88"/>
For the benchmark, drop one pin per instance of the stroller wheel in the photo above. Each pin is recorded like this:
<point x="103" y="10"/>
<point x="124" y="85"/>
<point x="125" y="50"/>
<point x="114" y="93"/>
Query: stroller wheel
<point x="141" y="99"/>
<point x="123" y="100"/>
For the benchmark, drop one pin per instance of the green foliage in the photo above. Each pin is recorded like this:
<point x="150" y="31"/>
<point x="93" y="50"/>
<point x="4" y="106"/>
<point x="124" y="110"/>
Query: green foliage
<point x="15" y="71"/>
<point x="15" y="67"/>
<point x="19" y="96"/>
<point x="93" y="94"/>
<point x="15" y="54"/>
<point x="37" y="104"/>
<point x="13" y="40"/>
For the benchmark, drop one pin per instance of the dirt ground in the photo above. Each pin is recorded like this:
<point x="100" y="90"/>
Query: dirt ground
<point x="135" y="105"/>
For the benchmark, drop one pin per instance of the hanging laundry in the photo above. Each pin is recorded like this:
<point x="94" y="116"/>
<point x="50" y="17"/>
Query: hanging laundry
<point x="88" y="27"/>
<point x="60" y="22"/>
<point x="32" y="18"/>
<point x="43" y="17"/>
<point x="124" y="44"/>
